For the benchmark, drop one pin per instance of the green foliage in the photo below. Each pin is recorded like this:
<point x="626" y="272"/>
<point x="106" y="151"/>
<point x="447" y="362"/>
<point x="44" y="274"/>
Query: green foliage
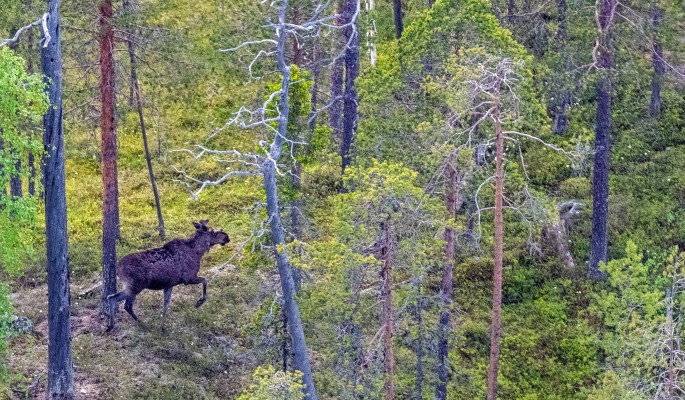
<point x="21" y="107"/>
<point x="269" y="384"/>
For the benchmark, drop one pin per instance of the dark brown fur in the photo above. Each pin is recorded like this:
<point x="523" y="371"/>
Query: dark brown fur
<point x="175" y="263"/>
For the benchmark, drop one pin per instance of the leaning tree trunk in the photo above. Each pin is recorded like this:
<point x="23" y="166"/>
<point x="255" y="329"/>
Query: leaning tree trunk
<point x="292" y="310"/>
<point x="600" y="184"/>
<point x="386" y="299"/>
<point x="496" y="328"/>
<point x="60" y="367"/>
<point x="110" y="190"/>
<point x="139" y="104"/>
<point x="447" y="281"/>
<point x="350" y="98"/>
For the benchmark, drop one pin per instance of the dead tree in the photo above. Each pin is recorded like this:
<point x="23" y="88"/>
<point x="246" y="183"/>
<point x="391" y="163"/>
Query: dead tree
<point x="60" y="367"/>
<point x="272" y="117"/>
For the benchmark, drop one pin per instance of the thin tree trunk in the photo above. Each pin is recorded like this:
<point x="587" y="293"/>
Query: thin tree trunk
<point x="600" y="184"/>
<point x="447" y="280"/>
<point x="562" y="98"/>
<point x="397" y="15"/>
<point x="292" y="310"/>
<point x="371" y="33"/>
<point x="496" y="328"/>
<point x="15" y="182"/>
<point x="60" y="367"/>
<point x="3" y="189"/>
<point x="386" y="299"/>
<point x="659" y="68"/>
<point x="337" y="79"/>
<point x="672" y="373"/>
<point x="32" y="175"/>
<point x="350" y="98"/>
<point x="511" y="11"/>
<point x="110" y="190"/>
<point x="419" y="347"/>
<point x="139" y="104"/>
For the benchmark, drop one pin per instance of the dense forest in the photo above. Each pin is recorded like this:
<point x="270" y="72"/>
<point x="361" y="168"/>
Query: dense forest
<point x="351" y="199"/>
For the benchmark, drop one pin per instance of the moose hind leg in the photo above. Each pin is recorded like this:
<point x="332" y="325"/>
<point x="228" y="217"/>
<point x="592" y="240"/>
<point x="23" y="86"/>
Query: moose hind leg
<point x="203" y="281"/>
<point x="128" y="306"/>
<point x="114" y="300"/>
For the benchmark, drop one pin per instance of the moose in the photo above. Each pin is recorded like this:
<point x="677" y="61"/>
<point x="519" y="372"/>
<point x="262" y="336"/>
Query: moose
<point x="175" y="263"/>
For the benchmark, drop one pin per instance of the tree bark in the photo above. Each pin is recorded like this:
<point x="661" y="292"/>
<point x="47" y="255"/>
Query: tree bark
<point x="511" y="11"/>
<point x="292" y="310"/>
<point x="386" y="299"/>
<point x="659" y="67"/>
<point x="32" y="175"/>
<point x="337" y="79"/>
<point x="451" y="194"/>
<point x="496" y="328"/>
<point x="600" y="184"/>
<point x="15" y="182"/>
<point x="350" y="98"/>
<point x="397" y="15"/>
<point x="60" y="367"/>
<point x="419" y="347"/>
<point x="139" y="104"/>
<point x="110" y="190"/>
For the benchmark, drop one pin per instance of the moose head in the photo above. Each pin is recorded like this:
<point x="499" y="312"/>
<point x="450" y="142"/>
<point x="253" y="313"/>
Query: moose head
<point x="208" y="236"/>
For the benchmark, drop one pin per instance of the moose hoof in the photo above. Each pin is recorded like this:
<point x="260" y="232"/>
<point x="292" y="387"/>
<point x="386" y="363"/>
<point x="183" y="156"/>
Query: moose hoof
<point x="200" y="302"/>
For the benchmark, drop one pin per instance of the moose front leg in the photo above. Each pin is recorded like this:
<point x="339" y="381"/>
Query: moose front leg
<point x="203" y="281"/>
<point x="167" y="297"/>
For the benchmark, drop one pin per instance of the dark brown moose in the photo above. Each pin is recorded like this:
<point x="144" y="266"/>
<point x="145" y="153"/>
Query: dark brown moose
<point x="175" y="263"/>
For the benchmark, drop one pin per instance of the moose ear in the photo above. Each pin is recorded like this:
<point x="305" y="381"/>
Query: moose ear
<point x="204" y="222"/>
<point x="198" y="226"/>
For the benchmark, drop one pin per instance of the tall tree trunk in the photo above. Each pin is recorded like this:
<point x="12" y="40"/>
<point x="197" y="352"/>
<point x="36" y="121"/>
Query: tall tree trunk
<point x="3" y="189"/>
<point x="285" y="270"/>
<point x="15" y="182"/>
<point x="350" y="98"/>
<point x="511" y="11"/>
<point x="139" y="104"/>
<point x="600" y="184"/>
<point x="337" y="79"/>
<point x="562" y="96"/>
<point x="32" y="175"/>
<point x="659" y="68"/>
<point x="419" y="346"/>
<point x="110" y="189"/>
<point x="397" y="15"/>
<point x="386" y="299"/>
<point x="496" y="328"/>
<point x="447" y="280"/>
<point x="371" y="33"/>
<point x="60" y="367"/>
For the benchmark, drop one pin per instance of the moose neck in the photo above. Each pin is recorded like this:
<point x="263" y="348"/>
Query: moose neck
<point x="199" y="244"/>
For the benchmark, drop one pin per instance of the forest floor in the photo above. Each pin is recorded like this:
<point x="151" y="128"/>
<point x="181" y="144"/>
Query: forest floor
<point x="198" y="353"/>
<point x="203" y="353"/>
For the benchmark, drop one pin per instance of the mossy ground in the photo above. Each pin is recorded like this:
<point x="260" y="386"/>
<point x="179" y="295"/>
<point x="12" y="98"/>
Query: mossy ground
<point x="199" y="353"/>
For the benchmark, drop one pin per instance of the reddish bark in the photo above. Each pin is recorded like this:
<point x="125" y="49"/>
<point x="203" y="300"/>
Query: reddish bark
<point x="110" y="189"/>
